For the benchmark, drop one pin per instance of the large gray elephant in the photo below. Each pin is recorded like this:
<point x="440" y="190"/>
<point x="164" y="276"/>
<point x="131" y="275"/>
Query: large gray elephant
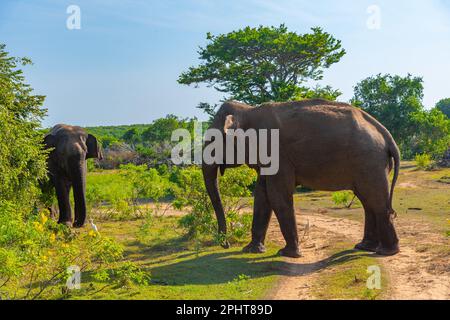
<point x="323" y="146"/>
<point x="71" y="146"/>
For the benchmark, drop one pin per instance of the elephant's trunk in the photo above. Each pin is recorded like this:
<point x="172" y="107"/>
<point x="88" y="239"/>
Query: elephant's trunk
<point x="79" y="191"/>
<point x="210" y="178"/>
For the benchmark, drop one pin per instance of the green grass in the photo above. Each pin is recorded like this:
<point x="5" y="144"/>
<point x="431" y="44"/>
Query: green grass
<point x="346" y="273"/>
<point x="184" y="269"/>
<point x="180" y="269"/>
<point x="110" y="183"/>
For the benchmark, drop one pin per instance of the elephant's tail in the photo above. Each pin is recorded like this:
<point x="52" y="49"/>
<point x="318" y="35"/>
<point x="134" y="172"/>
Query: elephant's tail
<point x="394" y="153"/>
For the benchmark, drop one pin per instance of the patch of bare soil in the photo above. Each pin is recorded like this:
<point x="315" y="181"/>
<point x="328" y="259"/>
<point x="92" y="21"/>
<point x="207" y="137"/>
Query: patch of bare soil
<point x="419" y="271"/>
<point x="407" y="184"/>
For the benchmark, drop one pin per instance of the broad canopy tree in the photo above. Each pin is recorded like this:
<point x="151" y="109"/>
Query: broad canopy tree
<point x="256" y="65"/>
<point x="397" y="103"/>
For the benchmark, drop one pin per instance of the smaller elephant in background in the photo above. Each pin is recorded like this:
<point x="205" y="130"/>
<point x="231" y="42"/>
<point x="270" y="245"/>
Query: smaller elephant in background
<point x="70" y="147"/>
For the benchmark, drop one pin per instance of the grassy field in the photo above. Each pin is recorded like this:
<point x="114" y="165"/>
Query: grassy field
<point x="182" y="268"/>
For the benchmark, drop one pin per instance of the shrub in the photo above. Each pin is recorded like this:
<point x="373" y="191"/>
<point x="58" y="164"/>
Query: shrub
<point x="200" y="222"/>
<point x="343" y="198"/>
<point x="423" y="161"/>
<point x="120" y="195"/>
<point x="35" y="253"/>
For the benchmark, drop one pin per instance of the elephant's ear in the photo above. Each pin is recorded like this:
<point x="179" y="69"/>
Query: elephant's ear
<point x="230" y="123"/>
<point x="93" y="149"/>
<point x="50" y="141"/>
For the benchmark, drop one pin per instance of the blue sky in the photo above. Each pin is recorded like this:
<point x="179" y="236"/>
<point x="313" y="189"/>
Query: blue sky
<point x="121" y="67"/>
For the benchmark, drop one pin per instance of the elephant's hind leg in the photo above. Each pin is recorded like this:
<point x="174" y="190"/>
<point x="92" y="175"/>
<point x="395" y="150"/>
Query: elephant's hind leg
<point x="376" y="203"/>
<point x="370" y="240"/>
<point x="261" y="218"/>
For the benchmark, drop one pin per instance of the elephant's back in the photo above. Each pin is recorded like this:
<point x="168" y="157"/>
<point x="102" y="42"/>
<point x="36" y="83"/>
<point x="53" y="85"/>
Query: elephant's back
<point x="66" y="130"/>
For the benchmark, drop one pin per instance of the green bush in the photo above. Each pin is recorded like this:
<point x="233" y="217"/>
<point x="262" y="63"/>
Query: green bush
<point x="35" y="253"/>
<point x="121" y="194"/>
<point x="200" y="222"/>
<point x="423" y="161"/>
<point x="343" y="198"/>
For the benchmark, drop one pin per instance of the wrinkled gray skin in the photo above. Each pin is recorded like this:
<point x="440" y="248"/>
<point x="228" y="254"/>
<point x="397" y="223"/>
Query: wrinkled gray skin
<point x="67" y="168"/>
<point x="323" y="146"/>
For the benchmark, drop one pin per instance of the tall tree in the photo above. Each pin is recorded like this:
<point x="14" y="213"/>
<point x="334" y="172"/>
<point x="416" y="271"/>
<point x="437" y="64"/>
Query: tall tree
<point x="256" y="65"/>
<point x="397" y="103"/>
<point x="391" y="100"/>
<point x="444" y="106"/>
<point x="22" y="159"/>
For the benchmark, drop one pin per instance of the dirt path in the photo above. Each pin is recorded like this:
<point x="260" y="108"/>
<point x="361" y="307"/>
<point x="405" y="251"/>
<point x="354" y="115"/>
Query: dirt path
<point x="417" y="272"/>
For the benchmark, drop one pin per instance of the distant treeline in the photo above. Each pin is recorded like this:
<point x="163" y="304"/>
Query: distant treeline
<point x="141" y="143"/>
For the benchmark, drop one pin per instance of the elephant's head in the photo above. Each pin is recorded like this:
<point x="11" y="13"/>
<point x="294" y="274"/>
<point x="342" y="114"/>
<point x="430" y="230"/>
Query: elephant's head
<point x="231" y="115"/>
<point x="93" y="148"/>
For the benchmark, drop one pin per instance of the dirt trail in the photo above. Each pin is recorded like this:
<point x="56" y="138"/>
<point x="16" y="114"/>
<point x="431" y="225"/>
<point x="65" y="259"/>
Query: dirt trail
<point x="417" y="272"/>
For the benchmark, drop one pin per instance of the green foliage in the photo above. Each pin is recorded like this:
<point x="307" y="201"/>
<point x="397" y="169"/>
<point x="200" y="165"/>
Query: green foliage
<point x="200" y="221"/>
<point x="444" y="106"/>
<point x="131" y="136"/>
<point x="423" y="161"/>
<point x="108" y="135"/>
<point x="343" y="198"/>
<point x="129" y="273"/>
<point x="397" y="103"/>
<point x="432" y="133"/>
<point x="118" y="195"/>
<point x="256" y="65"/>
<point x="392" y="100"/>
<point x="140" y="144"/>
<point x="35" y="252"/>
<point x="317" y="92"/>
<point x="22" y="161"/>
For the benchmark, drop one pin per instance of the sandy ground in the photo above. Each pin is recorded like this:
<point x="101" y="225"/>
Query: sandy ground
<point x="414" y="273"/>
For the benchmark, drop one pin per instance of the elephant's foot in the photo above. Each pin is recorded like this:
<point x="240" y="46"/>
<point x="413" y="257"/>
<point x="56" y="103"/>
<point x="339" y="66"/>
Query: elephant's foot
<point x="367" y="245"/>
<point x="78" y="224"/>
<point x="387" y="251"/>
<point x="254" y="248"/>
<point x="290" y="252"/>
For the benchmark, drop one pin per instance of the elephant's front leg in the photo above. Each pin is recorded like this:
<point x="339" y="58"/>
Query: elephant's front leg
<point x="280" y="190"/>
<point x="261" y="217"/>
<point x="62" y="187"/>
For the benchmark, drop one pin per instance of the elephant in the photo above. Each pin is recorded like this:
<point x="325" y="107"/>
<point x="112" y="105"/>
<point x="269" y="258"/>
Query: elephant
<point x="323" y="145"/>
<point x="70" y="147"/>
